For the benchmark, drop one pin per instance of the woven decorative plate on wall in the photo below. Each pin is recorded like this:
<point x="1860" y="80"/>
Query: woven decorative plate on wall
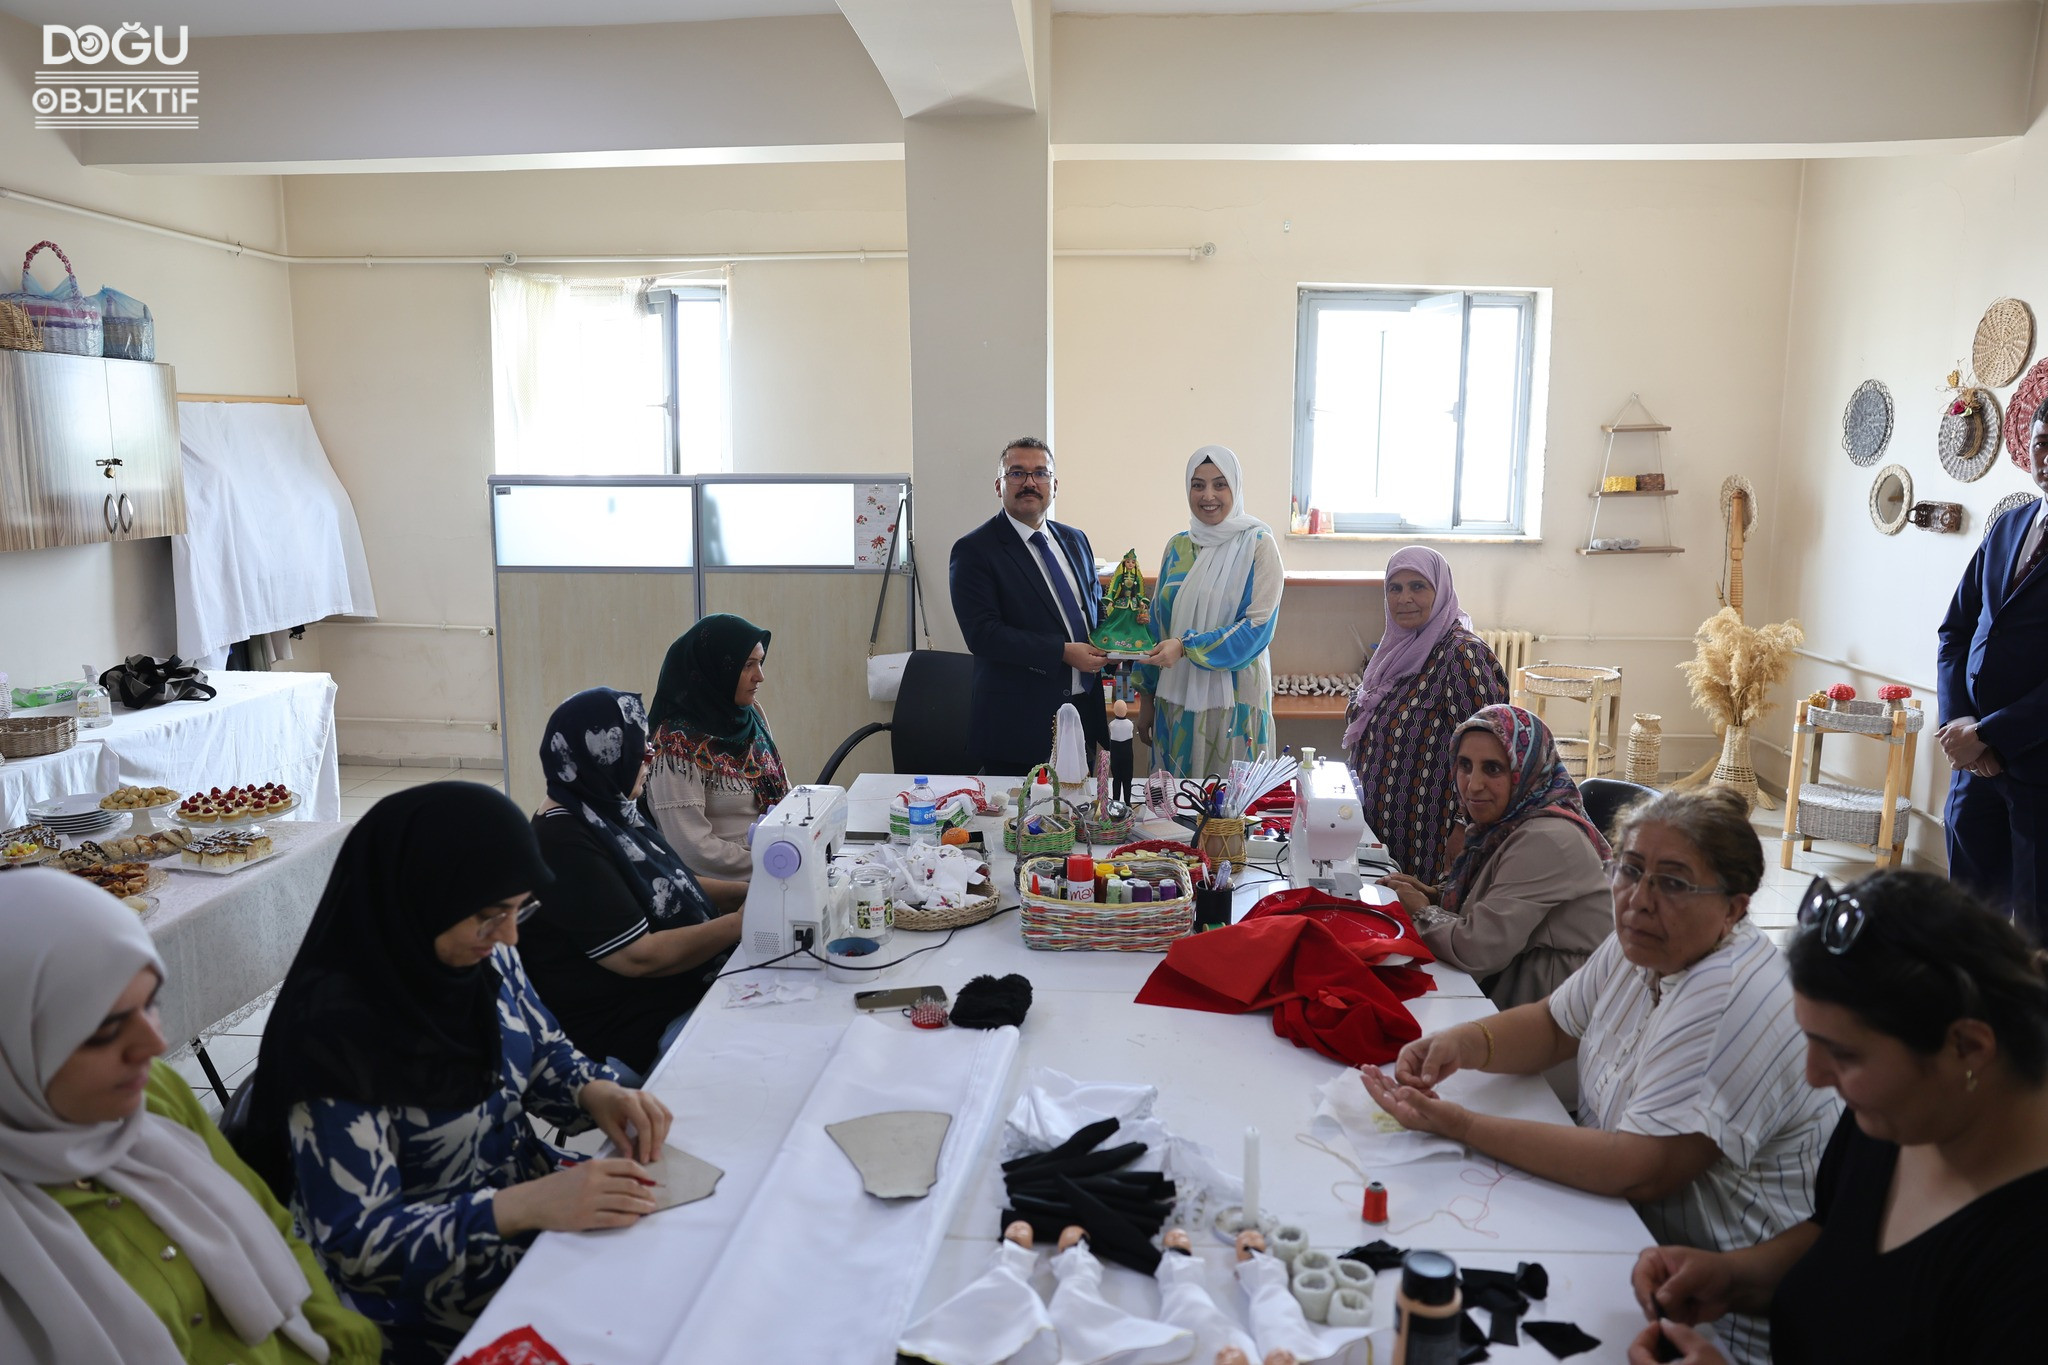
<point x="1968" y="443"/>
<point x="2004" y="505"/>
<point x="2005" y="338"/>
<point x="2019" y="413"/>
<point x="1867" y="422"/>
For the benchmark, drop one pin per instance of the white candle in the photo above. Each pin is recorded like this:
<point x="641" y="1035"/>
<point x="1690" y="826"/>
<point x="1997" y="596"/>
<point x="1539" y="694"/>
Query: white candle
<point x="1251" y="1177"/>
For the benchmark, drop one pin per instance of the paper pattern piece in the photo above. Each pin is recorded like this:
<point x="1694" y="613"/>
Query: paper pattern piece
<point x="896" y="1153"/>
<point x="681" y="1178"/>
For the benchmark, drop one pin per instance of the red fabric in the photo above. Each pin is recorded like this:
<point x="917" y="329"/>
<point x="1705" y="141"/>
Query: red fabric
<point x="522" y="1346"/>
<point x="1316" y="962"/>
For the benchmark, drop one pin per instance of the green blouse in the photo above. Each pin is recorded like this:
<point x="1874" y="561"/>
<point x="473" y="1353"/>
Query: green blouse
<point x="167" y="1282"/>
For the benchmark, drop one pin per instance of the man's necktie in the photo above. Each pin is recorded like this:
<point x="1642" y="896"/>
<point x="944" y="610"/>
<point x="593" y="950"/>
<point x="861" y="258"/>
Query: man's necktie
<point x="1077" y="624"/>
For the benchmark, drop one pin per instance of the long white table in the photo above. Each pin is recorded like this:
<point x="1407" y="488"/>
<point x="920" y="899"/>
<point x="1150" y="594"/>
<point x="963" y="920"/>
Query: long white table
<point x="263" y="727"/>
<point x="737" y="1077"/>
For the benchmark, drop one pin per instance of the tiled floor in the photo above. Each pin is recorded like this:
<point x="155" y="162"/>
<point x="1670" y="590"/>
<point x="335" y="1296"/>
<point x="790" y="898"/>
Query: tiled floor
<point x="1775" y="906"/>
<point x="363" y="787"/>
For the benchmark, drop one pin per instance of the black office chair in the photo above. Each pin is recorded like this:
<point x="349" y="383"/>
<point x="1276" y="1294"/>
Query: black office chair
<point x="234" y="1119"/>
<point x="1607" y="797"/>
<point x="928" y="730"/>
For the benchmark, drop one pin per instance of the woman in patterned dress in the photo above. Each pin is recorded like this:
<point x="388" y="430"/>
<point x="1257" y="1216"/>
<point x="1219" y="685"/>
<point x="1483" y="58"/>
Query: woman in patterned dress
<point x="1206" y="692"/>
<point x="400" y="1062"/>
<point x="1429" y="673"/>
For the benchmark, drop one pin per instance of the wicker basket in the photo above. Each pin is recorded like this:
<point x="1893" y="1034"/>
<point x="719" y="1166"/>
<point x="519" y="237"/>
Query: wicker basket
<point x="18" y="331"/>
<point x="34" y="736"/>
<point x="1115" y="830"/>
<point x="1567" y="680"/>
<point x="1059" y="826"/>
<point x="1223" y="837"/>
<point x="1573" y="752"/>
<point x="1085" y="926"/>
<point x="920" y="920"/>
<point x="1828" y="810"/>
<point x="1862" y="718"/>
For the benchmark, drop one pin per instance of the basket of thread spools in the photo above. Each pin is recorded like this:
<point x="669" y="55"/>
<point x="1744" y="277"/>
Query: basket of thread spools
<point x="1134" y="904"/>
<point x="1043" y="825"/>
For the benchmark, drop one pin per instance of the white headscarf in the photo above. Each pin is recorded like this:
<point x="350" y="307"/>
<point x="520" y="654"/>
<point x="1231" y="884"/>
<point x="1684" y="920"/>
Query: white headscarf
<point x="1213" y="591"/>
<point x="71" y="949"/>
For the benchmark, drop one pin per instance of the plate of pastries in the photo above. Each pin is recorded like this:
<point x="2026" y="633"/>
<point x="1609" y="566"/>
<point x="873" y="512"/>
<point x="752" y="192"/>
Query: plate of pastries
<point x="122" y="879"/>
<point x="229" y="850"/>
<point x="133" y="848"/>
<point x="138" y="798"/>
<point x="27" y="845"/>
<point x="237" y="805"/>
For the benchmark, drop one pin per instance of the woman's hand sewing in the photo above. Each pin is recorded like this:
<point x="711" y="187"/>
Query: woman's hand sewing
<point x="1419" y="1110"/>
<point x="1684" y="1284"/>
<point x="1673" y="1341"/>
<point x="1424" y="1063"/>
<point x="608" y="1193"/>
<point x="635" y="1121"/>
<point x="1414" y="894"/>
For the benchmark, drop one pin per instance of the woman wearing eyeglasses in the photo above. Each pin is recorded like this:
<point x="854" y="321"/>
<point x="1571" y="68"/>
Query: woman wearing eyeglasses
<point x="1526" y="901"/>
<point x="1929" y="1016"/>
<point x="1693" y="1102"/>
<point x="631" y="938"/>
<point x="401" y="1060"/>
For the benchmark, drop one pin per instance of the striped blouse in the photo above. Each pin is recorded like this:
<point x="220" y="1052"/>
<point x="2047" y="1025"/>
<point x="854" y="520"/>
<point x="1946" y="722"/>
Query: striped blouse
<point x="1714" y="1050"/>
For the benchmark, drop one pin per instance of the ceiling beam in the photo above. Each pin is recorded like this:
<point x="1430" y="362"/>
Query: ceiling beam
<point x="949" y="57"/>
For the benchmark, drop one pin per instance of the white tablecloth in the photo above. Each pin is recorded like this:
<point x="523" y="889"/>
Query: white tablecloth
<point x="738" y="1078"/>
<point x="226" y="939"/>
<point x="263" y="727"/>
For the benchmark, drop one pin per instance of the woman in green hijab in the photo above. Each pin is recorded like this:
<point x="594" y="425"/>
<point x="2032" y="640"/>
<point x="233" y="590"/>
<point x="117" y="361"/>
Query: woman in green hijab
<point x="716" y="770"/>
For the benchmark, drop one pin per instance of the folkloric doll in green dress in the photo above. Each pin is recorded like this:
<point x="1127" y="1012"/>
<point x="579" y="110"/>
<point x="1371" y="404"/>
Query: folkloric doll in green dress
<point x="1126" y="629"/>
<point x="1209" y="682"/>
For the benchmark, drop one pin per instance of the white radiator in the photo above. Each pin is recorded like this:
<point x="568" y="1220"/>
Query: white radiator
<point x="1514" y="648"/>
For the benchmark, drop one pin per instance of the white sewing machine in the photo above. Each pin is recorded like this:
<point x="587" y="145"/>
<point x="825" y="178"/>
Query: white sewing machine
<point x="788" y="899"/>
<point x="1329" y="825"/>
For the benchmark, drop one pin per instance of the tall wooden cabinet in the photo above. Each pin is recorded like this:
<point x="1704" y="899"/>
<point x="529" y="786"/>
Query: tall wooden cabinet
<point x="88" y="451"/>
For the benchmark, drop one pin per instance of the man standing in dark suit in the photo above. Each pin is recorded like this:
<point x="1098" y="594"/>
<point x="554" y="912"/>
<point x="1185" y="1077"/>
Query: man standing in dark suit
<point x="1025" y="594"/>
<point x="1994" y="704"/>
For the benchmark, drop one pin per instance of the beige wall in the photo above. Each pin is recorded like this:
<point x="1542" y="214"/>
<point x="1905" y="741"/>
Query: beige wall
<point x="1897" y="261"/>
<point x="396" y="365"/>
<point x="1669" y="279"/>
<point x="223" y="322"/>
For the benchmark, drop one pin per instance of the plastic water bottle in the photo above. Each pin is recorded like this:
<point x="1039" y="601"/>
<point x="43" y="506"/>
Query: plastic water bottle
<point x="924" y="813"/>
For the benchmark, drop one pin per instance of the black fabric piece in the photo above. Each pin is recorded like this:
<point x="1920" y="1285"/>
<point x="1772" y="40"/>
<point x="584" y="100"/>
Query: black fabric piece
<point x="139" y="682"/>
<point x="991" y="1002"/>
<point x="1112" y="1236"/>
<point x="1084" y="1140"/>
<point x="368" y="1013"/>
<point x="1496" y="1297"/>
<point x="1472" y="1354"/>
<point x="1469" y="1330"/>
<point x="1532" y="1279"/>
<point x="1561" y="1339"/>
<point x="1380" y="1255"/>
<point x="1503" y="1333"/>
<point x="1084" y="1163"/>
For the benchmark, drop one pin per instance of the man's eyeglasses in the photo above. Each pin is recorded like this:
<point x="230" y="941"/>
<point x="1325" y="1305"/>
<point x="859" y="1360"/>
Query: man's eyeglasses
<point x="1662" y="884"/>
<point x="487" y="926"/>
<point x="1016" y="475"/>
<point x="1839" y="917"/>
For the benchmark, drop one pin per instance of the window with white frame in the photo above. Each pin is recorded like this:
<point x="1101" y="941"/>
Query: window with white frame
<point x="608" y="376"/>
<point x="1412" y="409"/>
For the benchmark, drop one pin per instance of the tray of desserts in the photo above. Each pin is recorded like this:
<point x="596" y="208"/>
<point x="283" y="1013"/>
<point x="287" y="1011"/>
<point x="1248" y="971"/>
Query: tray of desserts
<point x="132" y="848"/>
<point x="27" y="845"/>
<point x="123" y="879"/>
<point x="138" y="798"/>
<point x="226" y="852"/>
<point x="236" y="805"/>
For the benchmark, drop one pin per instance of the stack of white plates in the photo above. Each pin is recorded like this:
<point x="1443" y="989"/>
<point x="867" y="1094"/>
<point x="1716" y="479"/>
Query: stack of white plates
<point x="78" y="816"/>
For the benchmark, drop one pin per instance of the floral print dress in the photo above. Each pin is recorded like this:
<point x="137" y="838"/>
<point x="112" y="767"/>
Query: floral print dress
<point x="397" y="1203"/>
<point x="1403" y="758"/>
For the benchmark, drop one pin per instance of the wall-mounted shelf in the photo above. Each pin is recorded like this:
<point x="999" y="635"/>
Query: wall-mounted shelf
<point x="1640" y="550"/>
<point x="1310" y="708"/>
<point x="1638" y="493"/>
<point x="1612" y="427"/>
<point x="1649" y="427"/>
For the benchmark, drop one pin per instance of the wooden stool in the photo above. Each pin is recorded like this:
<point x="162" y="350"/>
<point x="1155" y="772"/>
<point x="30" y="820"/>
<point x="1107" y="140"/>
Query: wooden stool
<point x="1868" y="816"/>
<point x="1599" y="688"/>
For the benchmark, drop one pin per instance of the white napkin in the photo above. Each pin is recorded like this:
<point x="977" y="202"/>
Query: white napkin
<point x="744" y="994"/>
<point x="1344" y="1110"/>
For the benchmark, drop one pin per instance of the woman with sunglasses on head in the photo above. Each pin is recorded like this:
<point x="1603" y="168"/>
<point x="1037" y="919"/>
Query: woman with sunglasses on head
<point x="1928" y="1014"/>
<point x="630" y="939"/>
<point x="1693" y="1104"/>
<point x="401" y="1060"/>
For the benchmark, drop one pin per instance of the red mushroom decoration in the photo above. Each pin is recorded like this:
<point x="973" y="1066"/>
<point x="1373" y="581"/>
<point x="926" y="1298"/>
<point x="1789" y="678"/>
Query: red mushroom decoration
<point x="1894" y="696"/>
<point x="1840" y="693"/>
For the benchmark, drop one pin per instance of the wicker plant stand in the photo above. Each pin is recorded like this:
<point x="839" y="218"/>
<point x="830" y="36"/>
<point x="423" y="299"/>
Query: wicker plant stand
<point x="1599" y="688"/>
<point x="1872" y="817"/>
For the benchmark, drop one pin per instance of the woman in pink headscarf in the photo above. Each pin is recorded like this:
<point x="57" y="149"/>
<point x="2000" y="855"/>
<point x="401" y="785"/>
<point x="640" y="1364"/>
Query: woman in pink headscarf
<point x="1429" y="673"/>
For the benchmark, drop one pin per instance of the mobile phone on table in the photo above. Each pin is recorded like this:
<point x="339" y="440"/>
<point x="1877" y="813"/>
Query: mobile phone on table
<point x="901" y="998"/>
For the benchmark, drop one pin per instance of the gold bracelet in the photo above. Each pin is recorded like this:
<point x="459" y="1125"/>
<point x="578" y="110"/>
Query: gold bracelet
<point x="1489" y="1044"/>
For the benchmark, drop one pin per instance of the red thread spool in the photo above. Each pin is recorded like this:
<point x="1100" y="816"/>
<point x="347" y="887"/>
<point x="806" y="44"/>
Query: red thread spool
<point x="1375" y="1210"/>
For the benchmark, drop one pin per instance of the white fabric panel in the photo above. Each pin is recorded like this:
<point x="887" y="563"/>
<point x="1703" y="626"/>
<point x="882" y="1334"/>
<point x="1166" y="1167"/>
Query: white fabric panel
<point x="271" y="540"/>
<point x="759" y="1303"/>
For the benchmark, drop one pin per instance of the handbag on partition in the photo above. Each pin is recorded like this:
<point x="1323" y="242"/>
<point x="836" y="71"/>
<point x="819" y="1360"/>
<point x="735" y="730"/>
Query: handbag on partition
<point x="885" y="671"/>
<point x="140" y="682"/>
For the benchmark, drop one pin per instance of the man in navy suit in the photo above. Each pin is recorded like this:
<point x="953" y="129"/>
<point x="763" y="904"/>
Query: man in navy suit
<point x="1025" y="593"/>
<point x="1993" y="667"/>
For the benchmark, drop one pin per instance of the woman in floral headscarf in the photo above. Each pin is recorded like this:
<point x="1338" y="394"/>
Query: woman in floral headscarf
<point x="716" y="770"/>
<point x="1527" y="900"/>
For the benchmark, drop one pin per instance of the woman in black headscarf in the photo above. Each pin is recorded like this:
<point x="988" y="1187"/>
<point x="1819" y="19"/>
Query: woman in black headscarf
<point x="716" y="769"/>
<point x="401" y="1059"/>
<point x="630" y="938"/>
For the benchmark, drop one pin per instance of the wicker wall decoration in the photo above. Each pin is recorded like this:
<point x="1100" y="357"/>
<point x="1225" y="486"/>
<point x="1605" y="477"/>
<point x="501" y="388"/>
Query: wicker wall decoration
<point x="2004" y="505"/>
<point x="1968" y="442"/>
<point x="2019" y="412"/>
<point x="1891" y="498"/>
<point x="1867" y="422"/>
<point x="2005" y="338"/>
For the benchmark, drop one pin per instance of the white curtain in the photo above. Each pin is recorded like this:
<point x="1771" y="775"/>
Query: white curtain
<point x="577" y="376"/>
